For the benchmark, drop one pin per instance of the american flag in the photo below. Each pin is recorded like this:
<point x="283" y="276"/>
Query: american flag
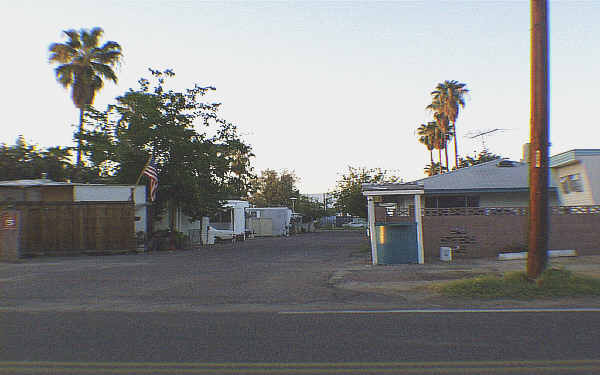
<point x="150" y="171"/>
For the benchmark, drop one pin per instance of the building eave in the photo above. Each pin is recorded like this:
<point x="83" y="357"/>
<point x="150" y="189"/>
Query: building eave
<point x="371" y="193"/>
<point x="482" y="190"/>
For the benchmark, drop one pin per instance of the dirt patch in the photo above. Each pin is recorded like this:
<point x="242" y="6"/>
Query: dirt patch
<point x="412" y="282"/>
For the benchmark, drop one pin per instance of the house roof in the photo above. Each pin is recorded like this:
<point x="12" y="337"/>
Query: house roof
<point x="571" y="156"/>
<point x="391" y="186"/>
<point x="392" y="189"/>
<point x="501" y="175"/>
<point x="35" y="182"/>
<point x="46" y="182"/>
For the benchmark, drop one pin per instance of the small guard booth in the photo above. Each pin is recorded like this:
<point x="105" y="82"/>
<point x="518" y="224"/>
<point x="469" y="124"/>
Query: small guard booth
<point x="395" y="223"/>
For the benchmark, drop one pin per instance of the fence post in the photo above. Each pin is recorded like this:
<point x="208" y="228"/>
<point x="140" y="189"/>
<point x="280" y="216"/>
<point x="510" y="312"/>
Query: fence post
<point x="419" y="221"/>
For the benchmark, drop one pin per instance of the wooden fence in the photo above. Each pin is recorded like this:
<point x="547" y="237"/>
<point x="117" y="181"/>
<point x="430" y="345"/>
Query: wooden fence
<point x="64" y="228"/>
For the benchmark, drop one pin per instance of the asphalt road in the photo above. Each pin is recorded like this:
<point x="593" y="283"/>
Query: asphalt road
<point x="402" y="342"/>
<point x="261" y="307"/>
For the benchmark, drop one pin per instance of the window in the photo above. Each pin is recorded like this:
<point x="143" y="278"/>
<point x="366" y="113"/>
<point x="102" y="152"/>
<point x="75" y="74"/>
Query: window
<point x="571" y="183"/>
<point x="452" y="201"/>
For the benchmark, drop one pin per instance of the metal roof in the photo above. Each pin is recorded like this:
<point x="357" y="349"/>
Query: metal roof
<point x="571" y="156"/>
<point x="46" y="182"/>
<point x="489" y="176"/>
<point x="391" y="186"/>
<point x="31" y="183"/>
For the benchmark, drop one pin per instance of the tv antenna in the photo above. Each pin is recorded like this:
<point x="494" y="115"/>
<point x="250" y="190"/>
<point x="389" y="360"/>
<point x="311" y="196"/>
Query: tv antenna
<point x="483" y="134"/>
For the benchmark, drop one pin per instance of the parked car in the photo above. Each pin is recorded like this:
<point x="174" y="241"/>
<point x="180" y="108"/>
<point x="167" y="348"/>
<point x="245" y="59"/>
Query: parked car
<point x="356" y="223"/>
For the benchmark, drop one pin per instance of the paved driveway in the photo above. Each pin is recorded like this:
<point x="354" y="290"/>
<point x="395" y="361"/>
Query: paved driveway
<point x="256" y="274"/>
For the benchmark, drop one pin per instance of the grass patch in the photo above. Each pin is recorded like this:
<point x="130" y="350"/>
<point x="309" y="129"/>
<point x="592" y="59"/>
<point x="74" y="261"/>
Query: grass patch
<point x="552" y="283"/>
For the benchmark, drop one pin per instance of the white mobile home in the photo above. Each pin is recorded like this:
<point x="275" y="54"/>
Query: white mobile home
<point x="577" y="173"/>
<point x="269" y="221"/>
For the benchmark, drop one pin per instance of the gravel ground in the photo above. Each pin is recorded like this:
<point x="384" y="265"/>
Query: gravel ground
<point x="316" y="270"/>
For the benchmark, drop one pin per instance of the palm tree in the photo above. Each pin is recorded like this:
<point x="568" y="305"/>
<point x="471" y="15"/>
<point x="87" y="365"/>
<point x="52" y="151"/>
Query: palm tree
<point x="448" y="98"/>
<point x="432" y="136"/>
<point x="433" y="169"/>
<point x="427" y="137"/>
<point x="441" y="122"/>
<point x="82" y="66"/>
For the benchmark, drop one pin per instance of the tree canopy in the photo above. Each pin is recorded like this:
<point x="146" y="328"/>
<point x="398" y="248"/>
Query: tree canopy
<point x="446" y="100"/>
<point x="483" y="157"/>
<point x="200" y="158"/>
<point x="27" y="161"/>
<point x="348" y="191"/>
<point x="274" y="189"/>
<point x="278" y="189"/>
<point x="83" y="66"/>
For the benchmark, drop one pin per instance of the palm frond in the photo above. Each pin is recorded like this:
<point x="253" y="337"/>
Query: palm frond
<point x="64" y="74"/>
<point x="90" y="38"/>
<point x="74" y="39"/>
<point x="111" y="46"/>
<point x="84" y="65"/>
<point x="96" y="34"/>
<point x="96" y="84"/>
<point x="107" y="57"/>
<point x="104" y="71"/>
<point x="61" y="53"/>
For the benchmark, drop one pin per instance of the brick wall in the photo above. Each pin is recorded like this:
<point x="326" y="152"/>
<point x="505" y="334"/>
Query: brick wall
<point x="485" y="232"/>
<point x="580" y="232"/>
<point x="486" y="236"/>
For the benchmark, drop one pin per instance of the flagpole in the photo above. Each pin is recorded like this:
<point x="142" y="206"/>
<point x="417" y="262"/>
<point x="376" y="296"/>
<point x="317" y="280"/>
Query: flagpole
<point x="132" y="189"/>
<point x="142" y="172"/>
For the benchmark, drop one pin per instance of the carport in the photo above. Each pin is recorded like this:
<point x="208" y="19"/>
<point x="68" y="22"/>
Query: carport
<point x="401" y="241"/>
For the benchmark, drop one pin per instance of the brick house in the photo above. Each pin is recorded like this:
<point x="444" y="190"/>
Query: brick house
<point x="494" y="184"/>
<point x="482" y="210"/>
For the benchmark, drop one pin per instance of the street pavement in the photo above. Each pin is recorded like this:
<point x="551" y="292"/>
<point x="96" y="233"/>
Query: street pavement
<point x="309" y="304"/>
<point x="203" y="343"/>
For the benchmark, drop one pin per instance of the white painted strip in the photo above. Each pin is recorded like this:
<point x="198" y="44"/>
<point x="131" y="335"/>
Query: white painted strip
<point x="442" y="311"/>
<point x="561" y="253"/>
<point x="551" y="254"/>
<point x="512" y="256"/>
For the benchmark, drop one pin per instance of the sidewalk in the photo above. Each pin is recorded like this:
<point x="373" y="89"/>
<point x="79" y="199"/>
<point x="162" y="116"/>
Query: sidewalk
<point x="410" y="281"/>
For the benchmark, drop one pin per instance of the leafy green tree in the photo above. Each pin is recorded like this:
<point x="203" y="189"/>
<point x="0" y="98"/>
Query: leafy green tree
<point x="312" y="209"/>
<point x="274" y="189"/>
<point x="198" y="169"/>
<point x="348" y="191"/>
<point x="483" y="157"/>
<point x="83" y="65"/>
<point x="27" y="161"/>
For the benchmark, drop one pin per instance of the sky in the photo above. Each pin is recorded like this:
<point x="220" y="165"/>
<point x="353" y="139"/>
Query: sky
<point x="317" y="86"/>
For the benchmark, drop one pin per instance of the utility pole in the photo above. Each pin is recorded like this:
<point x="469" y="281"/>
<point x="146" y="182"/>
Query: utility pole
<point x="538" y="155"/>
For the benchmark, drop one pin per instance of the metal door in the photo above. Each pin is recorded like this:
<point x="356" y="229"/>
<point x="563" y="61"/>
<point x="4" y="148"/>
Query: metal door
<point x="397" y="243"/>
